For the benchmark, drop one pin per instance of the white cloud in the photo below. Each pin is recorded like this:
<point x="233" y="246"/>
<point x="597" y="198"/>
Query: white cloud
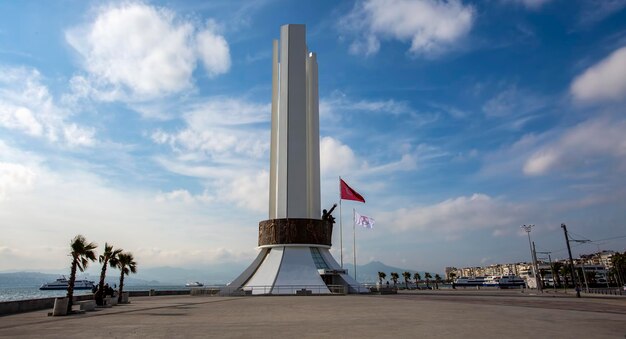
<point x="144" y="51"/>
<point x="604" y="81"/>
<point x="78" y="136"/>
<point x="213" y="50"/>
<point x="15" y="178"/>
<point x="26" y="105"/>
<point x="513" y="102"/>
<point x="432" y="26"/>
<point x="336" y="157"/>
<point x="247" y="191"/>
<point x="530" y="4"/>
<point x="176" y="195"/>
<point x="220" y="128"/>
<point x="178" y="222"/>
<point x="338" y="104"/>
<point x="460" y="214"/>
<point x="595" y="11"/>
<point x="581" y="146"/>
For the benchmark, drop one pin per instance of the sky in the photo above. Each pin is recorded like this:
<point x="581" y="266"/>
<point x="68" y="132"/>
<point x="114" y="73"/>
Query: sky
<point x="146" y="125"/>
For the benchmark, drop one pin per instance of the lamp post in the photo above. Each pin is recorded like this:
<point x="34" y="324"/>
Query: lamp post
<point x="527" y="229"/>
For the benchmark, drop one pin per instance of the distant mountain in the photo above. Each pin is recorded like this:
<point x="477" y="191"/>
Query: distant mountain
<point x="36" y="279"/>
<point x="368" y="273"/>
<point x="209" y="274"/>
<point x="217" y="274"/>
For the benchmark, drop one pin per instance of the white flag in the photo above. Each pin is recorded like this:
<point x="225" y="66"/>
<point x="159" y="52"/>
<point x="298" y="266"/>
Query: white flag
<point x="362" y="220"/>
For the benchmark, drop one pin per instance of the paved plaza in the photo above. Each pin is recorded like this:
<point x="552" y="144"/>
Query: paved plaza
<point x="423" y="314"/>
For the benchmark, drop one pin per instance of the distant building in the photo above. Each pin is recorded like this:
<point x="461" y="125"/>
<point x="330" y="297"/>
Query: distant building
<point x="596" y="267"/>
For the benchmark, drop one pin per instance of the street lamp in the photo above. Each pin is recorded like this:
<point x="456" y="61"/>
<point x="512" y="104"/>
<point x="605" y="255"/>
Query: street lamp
<point x="527" y="229"/>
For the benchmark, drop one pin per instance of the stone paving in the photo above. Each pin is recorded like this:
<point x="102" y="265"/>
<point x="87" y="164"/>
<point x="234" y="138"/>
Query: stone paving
<point x="423" y="314"/>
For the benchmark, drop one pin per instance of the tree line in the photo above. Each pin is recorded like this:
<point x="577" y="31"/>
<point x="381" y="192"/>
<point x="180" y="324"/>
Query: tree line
<point x="83" y="252"/>
<point x="407" y="277"/>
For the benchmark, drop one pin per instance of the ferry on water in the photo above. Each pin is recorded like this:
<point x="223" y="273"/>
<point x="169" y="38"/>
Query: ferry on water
<point x="504" y="281"/>
<point x="62" y="284"/>
<point x="469" y="281"/>
<point x="194" y="284"/>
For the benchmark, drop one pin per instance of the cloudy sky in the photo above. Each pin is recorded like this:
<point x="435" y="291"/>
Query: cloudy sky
<point x="146" y="125"/>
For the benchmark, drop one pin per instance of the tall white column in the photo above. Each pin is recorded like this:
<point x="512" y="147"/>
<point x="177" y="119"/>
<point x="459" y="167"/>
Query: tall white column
<point x="313" y="138"/>
<point x="294" y="154"/>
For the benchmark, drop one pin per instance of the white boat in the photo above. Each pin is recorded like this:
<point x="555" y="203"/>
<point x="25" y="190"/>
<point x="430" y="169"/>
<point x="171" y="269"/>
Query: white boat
<point x="194" y="284"/>
<point x="469" y="281"/>
<point x="504" y="281"/>
<point x="62" y="284"/>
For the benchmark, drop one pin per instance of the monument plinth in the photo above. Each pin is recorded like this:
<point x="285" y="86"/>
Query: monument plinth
<point x="295" y="240"/>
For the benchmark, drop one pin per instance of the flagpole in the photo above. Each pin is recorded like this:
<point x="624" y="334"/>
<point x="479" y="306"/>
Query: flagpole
<point x="354" y="237"/>
<point x="340" y="226"/>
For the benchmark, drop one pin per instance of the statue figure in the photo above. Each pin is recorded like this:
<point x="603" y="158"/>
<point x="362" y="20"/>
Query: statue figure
<point x="327" y="215"/>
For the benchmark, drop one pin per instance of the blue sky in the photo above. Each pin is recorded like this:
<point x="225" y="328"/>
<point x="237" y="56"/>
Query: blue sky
<point x="146" y="125"/>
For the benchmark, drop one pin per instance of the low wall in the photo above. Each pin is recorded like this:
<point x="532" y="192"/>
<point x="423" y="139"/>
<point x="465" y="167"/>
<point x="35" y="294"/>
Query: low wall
<point x="20" y="306"/>
<point x="157" y="293"/>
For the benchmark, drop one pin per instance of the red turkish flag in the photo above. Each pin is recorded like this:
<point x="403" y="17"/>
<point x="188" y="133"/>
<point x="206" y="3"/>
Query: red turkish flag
<point x="347" y="193"/>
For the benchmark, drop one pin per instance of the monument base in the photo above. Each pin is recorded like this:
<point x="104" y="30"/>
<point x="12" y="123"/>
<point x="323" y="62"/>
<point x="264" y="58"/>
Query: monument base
<point x="303" y="266"/>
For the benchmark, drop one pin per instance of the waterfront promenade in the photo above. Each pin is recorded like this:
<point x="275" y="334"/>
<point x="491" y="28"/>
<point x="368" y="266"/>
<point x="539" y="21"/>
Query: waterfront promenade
<point x="450" y="314"/>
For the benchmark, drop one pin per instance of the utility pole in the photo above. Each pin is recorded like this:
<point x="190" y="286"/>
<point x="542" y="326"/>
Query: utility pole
<point x="539" y="277"/>
<point x="527" y="229"/>
<point x="571" y="261"/>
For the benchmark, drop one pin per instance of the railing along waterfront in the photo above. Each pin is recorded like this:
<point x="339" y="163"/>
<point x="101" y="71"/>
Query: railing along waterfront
<point x="608" y="291"/>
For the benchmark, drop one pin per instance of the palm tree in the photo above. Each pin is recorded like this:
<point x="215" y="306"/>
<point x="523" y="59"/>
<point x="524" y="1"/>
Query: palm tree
<point x="82" y="253"/>
<point x="407" y="276"/>
<point x="417" y="278"/>
<point x="619" y="266"/>
<point x="394" y="277"/>
<point x="451" y="280"/>
<point x="437" y="280"/>
<point x="108" y="258"/>
<point x="126" y="263"/>
<point x="564" y="272"/>
<point x="428" y="277"/>
<point x="556" y="267"/>
<point x="381" y="276"/>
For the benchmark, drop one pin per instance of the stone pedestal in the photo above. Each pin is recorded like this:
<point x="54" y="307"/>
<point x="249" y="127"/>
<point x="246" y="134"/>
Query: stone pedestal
<point x="295" y="231"/>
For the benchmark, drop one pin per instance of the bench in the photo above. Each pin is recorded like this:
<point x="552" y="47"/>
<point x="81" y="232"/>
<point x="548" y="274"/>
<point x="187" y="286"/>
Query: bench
<point x="110" y="301"/>
<point x="87" y="305"/>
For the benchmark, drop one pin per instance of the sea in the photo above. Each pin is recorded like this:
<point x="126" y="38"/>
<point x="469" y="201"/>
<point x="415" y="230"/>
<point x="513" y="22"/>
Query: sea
<point x="33" y="292"/>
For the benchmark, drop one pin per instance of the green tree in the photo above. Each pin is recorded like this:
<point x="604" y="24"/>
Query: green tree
<point x="451" y="276"/>
<point x="407" y="276"/>
<point x="427" y="276"/>
<point x="381" y="277"/>
<point x="82" y="252"/>
<point x="108" y="258"/>
<point x="126" y="263"/>
<point x="437" y="280"/>
<point x="394" y="277"/>
<point x="417" y="278"/>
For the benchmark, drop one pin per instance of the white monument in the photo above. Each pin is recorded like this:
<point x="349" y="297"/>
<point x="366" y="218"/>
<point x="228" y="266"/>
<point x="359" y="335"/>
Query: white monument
<point x="295" y="240"/>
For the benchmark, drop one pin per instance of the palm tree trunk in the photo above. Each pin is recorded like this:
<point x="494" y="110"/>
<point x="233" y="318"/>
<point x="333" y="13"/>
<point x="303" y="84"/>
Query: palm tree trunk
<point x="119" y="294"/>
<point x="99" y="293"/>
<point x="70" y="284"/>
